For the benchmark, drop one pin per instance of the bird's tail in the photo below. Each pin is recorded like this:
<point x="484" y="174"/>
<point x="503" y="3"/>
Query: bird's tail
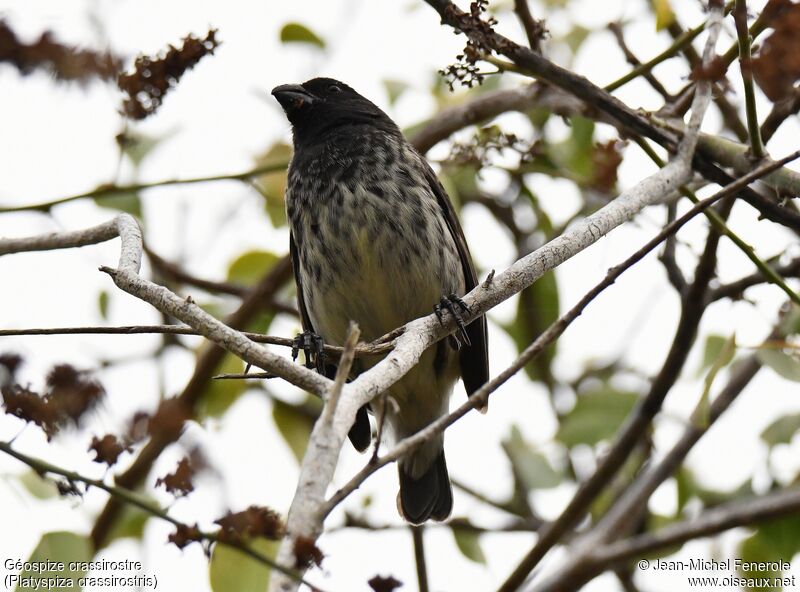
<point x="428" y="496"/>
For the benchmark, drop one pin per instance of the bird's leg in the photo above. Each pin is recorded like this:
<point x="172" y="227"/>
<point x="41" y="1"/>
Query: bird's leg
<point x="380" y="418"/>
<point x="313" y="348"/>
<point x="455" y="306"/>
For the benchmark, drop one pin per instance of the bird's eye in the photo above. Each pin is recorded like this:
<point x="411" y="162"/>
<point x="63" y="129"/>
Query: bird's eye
<point x="333" y="88"/>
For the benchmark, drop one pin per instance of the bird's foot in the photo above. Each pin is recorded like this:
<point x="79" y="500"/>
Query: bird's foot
<point x="455" y="306"/>
<point x="313" y="348"/>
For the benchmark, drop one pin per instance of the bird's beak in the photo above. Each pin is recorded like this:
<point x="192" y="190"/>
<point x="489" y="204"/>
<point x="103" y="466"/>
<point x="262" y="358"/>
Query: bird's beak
<point x="292" y="96"/>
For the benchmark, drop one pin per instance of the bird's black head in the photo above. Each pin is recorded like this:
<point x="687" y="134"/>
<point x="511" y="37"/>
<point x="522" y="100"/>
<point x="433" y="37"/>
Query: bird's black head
<point x="323" y="104"/>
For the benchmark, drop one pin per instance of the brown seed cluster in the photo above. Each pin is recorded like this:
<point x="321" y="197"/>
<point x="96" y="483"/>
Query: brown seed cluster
<point x="153" y="77"/>
<point x="64" y="62"/>
<point x="236" y="527"/>
<point x="69" y="394"/>
<point x="384" y="584"/>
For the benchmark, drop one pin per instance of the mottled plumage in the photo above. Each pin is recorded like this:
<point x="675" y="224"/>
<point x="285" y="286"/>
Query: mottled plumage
<point x="375" y="239"/>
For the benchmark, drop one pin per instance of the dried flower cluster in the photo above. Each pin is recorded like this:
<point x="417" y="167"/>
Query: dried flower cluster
<point x="236" y="527"/>
<point x="153" y="77"/>
<point x="465" y="71"/>
<point x="777" y="66"/>
<point x="64" y="62"/>
<point x="69" y="395"/>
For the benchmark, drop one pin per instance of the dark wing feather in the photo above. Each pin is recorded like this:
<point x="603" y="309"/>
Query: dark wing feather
<point x="474" y="359"/>
<point x="361" y="433"/>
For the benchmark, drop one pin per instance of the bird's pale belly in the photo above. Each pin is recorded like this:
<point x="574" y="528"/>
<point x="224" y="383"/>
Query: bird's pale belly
<point x="381" y="293"/>
<point x="379" y="290"/>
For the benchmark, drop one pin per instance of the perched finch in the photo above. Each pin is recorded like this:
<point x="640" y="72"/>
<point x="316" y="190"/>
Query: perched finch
<point x="374" y="239"/>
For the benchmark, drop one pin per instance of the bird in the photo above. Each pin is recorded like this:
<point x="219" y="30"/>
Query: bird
<point x="374" y="239"/>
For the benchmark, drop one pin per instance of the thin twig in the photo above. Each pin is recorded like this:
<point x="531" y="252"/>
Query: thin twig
<point x="363" y="349"/>
<point x="781" y="111"/>
<point x="177" y="273"/>
<point x="417" y="533"/>
<point x="746" y="66"/>
<point x="643" y="69"/>
<point x="342" y="370"/>
<point x="534" y="29"/>
<point x="720" y="225"/>
<point x="772" y="505"/>
<point x="736" y="288"/>
<point x="112" y="190"/>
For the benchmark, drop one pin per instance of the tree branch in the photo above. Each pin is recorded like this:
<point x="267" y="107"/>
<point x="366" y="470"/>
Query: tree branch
<point x="645" y="70"/>
<point x="772" y="505"/>
<point x="534" y="29"/>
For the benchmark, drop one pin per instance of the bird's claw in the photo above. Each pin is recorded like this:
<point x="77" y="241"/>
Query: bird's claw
<point x="455" y="306"/>
<point x="313" y="348"/>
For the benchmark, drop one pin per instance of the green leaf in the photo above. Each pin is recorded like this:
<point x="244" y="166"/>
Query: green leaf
<point x="624" y="477"/>
<point x="138" y="146"/>
<point x="539" y="116"/>
<point x="230" y="569"/>
<point x="297" y="33"/>
<point x="597" y="416"/>
<point x="790" y="324"/>
<point x="128" y="202"/>
<point x="63" y="547"/>
<point x="248" y="268"/>
<point x="785" y="365"/>
<point x="575" y="38"/>
<point x="537" y="309"/>
<point x="686" y="486"/>
<point x="572" y="158"/>
<point x="459" y="181"/>
<point x="272" y="186"/>
<point x="711" y="351"/>
<point x="714" y="497"/>
<point x="394" y="88"/>
<point x="782" y="430"/>
<point x="102" y="303"/>
<point x="581" y="146"/>
<point x="774" y="540"/>
<point x="131" y="521"/>
<point x="221" y="394"/>
<point x="37" y="486"/>
<point x="294" y="425"/>
<point x="689" y="488"/>
<point x="701" y="414"/>
<point x="664" y="15"/>
<point x="470" y="545"/>
<point x="531" y="468"/>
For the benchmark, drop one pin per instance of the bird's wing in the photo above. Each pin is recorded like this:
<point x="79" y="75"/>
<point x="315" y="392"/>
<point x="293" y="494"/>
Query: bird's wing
<point x="301" y="302"/>
<point x="474" y="360"/>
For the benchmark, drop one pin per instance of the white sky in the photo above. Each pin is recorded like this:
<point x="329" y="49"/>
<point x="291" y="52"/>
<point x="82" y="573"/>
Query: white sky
<point x="56" y="140"/>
